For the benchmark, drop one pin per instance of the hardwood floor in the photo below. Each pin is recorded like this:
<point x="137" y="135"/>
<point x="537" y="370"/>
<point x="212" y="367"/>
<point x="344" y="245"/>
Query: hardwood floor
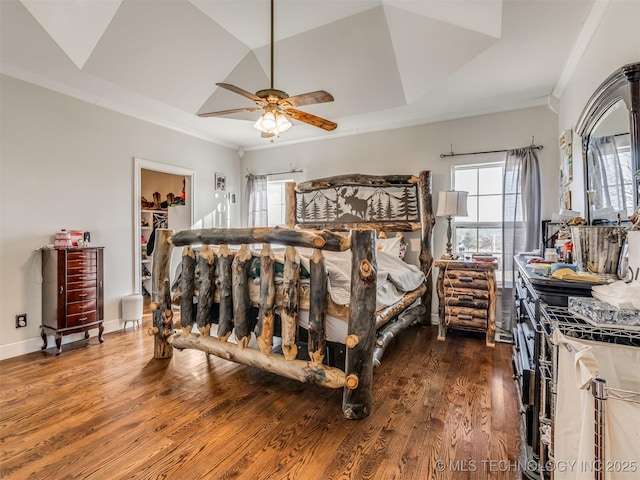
<point x="442" y="410"/>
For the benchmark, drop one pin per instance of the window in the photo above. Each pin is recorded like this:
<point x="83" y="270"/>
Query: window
<point x="277" y="203"/>
<point x="481" y="231"/>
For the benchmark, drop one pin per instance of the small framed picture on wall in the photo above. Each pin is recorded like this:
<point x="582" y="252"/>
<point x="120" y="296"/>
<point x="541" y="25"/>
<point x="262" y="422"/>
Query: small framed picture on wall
<point x="221" y="181"/>
<point x="565" y="197"/>
<point x="566" y="157"/>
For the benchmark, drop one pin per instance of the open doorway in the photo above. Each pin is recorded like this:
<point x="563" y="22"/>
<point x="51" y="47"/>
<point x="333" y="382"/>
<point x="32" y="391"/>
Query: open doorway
<point x="163" y="198"/>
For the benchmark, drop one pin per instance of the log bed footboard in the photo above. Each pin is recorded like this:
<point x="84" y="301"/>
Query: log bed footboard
<point x="368" y="332"/>
<point x="234" y="302"/>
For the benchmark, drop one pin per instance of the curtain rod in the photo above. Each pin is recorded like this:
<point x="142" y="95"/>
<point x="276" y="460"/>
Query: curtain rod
<point x="452" y="154"/>
<point x="271" y="174"/>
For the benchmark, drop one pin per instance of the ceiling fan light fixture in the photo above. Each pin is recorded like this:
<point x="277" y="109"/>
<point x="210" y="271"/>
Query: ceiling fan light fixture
<point x="273" y="122"/>
<point x="282" y="122"/>
<point x="266" y="123"/>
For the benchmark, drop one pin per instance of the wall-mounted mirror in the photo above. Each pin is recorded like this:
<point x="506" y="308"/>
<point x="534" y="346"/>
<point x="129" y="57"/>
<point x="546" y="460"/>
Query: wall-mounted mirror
<point x="608" y="127"/>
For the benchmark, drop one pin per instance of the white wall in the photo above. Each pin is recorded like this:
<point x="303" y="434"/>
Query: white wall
<point x="616" y="43"/>
<point x="409" y="150"/>
<point x="68" y="164"/>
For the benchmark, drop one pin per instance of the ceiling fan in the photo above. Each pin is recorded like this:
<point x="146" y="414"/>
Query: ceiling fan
<point x="278" y="106"/>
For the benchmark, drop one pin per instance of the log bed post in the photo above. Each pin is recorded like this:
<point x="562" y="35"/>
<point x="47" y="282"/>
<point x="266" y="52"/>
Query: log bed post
<point x="317" y="306"/>
<point x="357" y="398"/>
<point x="264" y="326"/>
<point x="206" y="265"/>
<point x="241" y="301"/>
<point x="386" y="334"/>
<point x="289" y="314"/>
<point x="442" y="328"/>
<point x="187" y="288"/>
<point x="427" y="221"/>
<point x="161" y="295"/>
<point x="225" y="320"/>
<point x="491" y="321"/>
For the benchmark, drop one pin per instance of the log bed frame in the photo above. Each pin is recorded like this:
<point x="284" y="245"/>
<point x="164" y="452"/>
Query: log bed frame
<point x="369" y="332"/>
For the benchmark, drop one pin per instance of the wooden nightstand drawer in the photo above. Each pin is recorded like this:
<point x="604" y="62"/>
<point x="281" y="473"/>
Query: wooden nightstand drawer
<point x="467" y="321"/>
<point x="466" y="297"/>
<point x="466" y="311"/>
<point x="464" y="317"/>
<point x="466" y="279"/>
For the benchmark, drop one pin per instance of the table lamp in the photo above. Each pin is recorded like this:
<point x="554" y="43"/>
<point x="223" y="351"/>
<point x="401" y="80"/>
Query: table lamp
<point x="451" y="204"/>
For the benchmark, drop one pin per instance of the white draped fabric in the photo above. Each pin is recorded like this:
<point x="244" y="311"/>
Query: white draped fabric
<point x="521" y="222"/>
<point x="257" y="201"/>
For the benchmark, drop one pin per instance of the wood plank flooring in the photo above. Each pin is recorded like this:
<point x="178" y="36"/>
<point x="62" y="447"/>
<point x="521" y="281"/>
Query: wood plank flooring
<point x="442" y="410"/>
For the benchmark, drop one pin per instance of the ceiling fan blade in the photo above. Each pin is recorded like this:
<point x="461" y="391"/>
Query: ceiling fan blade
<point x="310" y="119"/>
<point x="227" y="112"/>
<point x="242" y="92"/>
<point x="310" y="98"/>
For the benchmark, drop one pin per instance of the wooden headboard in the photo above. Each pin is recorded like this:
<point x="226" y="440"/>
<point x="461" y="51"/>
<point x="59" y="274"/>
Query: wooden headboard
<point x="391" y="203"/>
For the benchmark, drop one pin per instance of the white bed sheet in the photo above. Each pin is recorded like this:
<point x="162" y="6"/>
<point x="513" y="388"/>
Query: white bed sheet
<point x="335" y="328"/>
<point x="395" y="277"/>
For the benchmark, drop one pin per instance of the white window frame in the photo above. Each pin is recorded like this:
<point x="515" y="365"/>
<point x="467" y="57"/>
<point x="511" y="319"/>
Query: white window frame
<point x="283" y="203"/>
<point x="461" y="222"/>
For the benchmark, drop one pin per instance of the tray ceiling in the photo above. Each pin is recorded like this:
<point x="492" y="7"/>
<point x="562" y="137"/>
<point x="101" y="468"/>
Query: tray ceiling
<point x="387" y="63"/>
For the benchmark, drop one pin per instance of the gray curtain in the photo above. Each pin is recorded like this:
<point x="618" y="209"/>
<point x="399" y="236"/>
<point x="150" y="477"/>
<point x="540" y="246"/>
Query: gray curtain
<point x="257" y="208"/>
<point x="606" y="176"/>
<point x="521" y="222"/>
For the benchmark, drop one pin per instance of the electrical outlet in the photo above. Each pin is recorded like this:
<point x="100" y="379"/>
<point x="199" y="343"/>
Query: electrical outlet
<point x="21" y="320"/>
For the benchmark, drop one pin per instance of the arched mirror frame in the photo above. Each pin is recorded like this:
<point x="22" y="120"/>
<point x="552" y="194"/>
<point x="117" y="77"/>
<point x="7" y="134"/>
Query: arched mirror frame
<point x="623" y="84"/>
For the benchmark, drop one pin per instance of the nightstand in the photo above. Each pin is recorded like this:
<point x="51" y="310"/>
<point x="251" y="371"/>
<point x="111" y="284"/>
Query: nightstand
<point x="467" y="295"/>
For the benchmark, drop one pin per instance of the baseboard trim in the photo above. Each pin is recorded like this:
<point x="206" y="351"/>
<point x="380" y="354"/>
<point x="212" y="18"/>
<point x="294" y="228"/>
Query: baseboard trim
<point x="31" y="345"/>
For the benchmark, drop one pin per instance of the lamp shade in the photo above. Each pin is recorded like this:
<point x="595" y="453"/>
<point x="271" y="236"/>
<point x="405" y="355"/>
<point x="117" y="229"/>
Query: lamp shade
<point x="452" y="204"/>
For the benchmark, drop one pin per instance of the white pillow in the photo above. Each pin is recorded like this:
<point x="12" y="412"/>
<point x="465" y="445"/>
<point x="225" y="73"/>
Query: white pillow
<point x="392" y="246"/>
